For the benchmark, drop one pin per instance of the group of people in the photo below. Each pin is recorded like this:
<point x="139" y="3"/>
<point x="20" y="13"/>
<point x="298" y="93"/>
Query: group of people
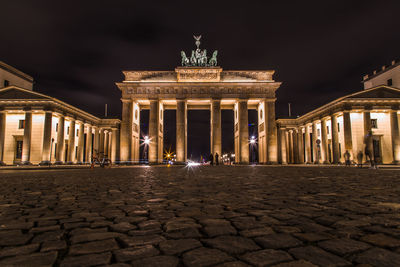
<point x="360" y="155"/>
<point x="211" y="159"/>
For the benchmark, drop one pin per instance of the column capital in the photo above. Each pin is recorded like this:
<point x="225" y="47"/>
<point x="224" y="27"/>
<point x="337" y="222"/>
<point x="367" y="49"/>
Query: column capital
<point x="125" y="100"/>
<point x="367" y="108"/>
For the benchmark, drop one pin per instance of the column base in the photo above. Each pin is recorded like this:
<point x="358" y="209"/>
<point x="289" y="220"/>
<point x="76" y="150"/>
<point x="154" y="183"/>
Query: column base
<point x="59" y="163"/>
<point x="45" y="163"/>
<point x="2" y="163"/>
<point x="26" y="163"/>
<point x="396" y="162"/>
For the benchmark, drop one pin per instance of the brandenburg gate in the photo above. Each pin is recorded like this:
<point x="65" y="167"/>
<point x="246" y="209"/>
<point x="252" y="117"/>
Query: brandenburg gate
<point x="198" y="84"/>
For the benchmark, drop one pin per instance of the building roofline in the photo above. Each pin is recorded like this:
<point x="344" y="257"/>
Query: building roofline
<point x="15" y="71"/>
<point x="387" y="68"/>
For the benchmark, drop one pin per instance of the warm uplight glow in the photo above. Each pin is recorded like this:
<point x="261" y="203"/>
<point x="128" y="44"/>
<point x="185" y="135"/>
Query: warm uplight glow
<point x="192" y="164"/>
<point x="146" y="140"/>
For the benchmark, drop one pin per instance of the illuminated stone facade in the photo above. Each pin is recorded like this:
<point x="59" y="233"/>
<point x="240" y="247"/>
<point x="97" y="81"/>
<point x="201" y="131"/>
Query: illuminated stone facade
<point x="208" y="88"/>
<point x="38" y="129"/>
<point x="341" y="126"/>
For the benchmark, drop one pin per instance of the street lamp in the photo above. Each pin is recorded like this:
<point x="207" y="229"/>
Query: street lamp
<point x="146" y="143"/>
<point x="253" y="142"/>
<point x="146" y="140"/>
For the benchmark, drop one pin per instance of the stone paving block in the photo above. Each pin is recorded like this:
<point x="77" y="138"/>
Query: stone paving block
<point x="176" y="247"/>
<point x="94" y="237"/>
<point x="381" y="240"/>
<point x="122" y="227"/>
<point x="257" y="232"/>
<point x="184" y="233"/>
<point x="85" y="230"/>
<point x="100" y="223"/>
<point x="318" y="256"/>
<point x="232" y="244"/>
<point x="141" y="240"/>
<point x="46" y="223"/>
<point x="129" y="254"/>
<point x="213" y="231"/>
<point x="69" y="226"/>
<point x="276" y="241"/>
<point x="266" y="257"/>
<point x="85" y="260"/>
<point x="378" y="257"/>
<point x="299" y="263"/>
<point x="150" y="224"/>
<point x="145" y="232"/>
<point x="44" y="229"/>
<point x="243" y="223"/>
<point x="159" y="261"/>
<point x="48" y="236"/>
<point x="15" y="240"/>
<point x="93" y="247"/>
<point x="46" y="259"/>
<point x="202" y="257"/>
<point x="233" y="264"/>
<point x="20" y="250"/>
<point x="313" y="237"/>
<point x="16" y="225"/>
<point x="343" y="246"/>
<point x="286" y="229"/>
<point x="53" y="245"/>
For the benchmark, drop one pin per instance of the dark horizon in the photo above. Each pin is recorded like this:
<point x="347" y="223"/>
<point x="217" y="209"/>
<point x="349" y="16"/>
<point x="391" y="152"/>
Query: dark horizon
<point x="320" y="51"/>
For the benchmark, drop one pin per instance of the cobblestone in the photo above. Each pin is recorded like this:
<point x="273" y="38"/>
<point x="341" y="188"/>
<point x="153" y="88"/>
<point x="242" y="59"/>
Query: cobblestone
<point x="221" y="216"/>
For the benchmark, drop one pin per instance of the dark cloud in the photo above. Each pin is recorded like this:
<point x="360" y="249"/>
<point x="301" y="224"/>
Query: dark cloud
<point x="319" y="49"/>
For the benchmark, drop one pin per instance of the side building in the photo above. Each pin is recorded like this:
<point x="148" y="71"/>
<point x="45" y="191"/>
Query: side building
<point x="39" y="129"/>
<point x="326" y="133"/>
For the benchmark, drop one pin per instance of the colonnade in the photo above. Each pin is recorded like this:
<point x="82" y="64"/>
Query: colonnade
<point x="61" y="147"/>
<point x="309" y="142"/>
<point x="130" y="132"/>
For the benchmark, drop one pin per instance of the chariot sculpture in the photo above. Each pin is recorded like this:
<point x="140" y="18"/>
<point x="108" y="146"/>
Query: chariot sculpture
<point x="199" y="58"/>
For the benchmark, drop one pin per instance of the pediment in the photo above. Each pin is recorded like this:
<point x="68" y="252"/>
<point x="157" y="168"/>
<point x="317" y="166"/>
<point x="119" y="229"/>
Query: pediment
<point x="19" y="93"/>
<point x="378" y="92"/>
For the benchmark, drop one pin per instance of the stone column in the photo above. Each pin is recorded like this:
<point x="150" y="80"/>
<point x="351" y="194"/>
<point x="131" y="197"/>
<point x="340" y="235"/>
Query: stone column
<point x="114" y="145"/>
<point x="324" y="142"/>
<point x="109" y="143"/>
<point x="48" y="120"/>
<point x="126" y="131"/>
<point x="243" y="132"/>
<point x="80" y="142"/>
<point x="60" y="140"/>
<point x="295" y="146"/>
<point x="96" y="141"/>
<point x="394" y="125"/>
<point x="314" y="142"/>
<point x="335" y="139"/>
<point x="26" y="145"/>
<point x="106" y="143"/>
<point x="271" y="133"/>
<point x="2" y="135"/>
<point x="89" y="144"/>
<point x="291" y="154"/>
<point x="282" y="133"/>
<point x="101" y="142"/>
<point x="216" y="145"/>
<point x="153" y="131"/>
<point x="367" y="128"/>
<point x="300" y="144"/>
<point x="181" y="130"/>
<point x="348" y="142"/>
<point x="71" y="142"/>
<point x="307" y="144"/>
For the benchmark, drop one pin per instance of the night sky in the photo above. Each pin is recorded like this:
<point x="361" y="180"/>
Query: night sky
<point x="320" y="50"/>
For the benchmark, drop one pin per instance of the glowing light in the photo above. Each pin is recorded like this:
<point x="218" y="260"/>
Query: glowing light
<point x="146" y="140"/>
<point x="192" y="164"/>
<point x="252" y="140"/>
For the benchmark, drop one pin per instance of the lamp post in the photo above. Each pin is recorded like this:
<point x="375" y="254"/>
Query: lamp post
<point x="146" y="145"/>
<point x="253" y="142"/>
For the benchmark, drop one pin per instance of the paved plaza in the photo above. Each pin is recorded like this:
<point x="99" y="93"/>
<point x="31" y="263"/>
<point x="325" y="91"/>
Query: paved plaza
<point x="202" y="216"/>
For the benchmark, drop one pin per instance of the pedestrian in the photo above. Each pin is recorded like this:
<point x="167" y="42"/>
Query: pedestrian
<point x="368" y="154"/>
<point x="216" y="159"/>
<point x="360" y="156"/>
<point x="347" y="158"/>
<point x="211" y="159"/>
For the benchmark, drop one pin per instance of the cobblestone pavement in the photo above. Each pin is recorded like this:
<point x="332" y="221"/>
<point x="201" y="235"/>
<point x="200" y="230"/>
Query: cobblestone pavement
<point x="204" y="216"/>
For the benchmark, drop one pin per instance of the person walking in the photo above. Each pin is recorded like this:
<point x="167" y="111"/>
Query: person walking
<point x="211" y="159"/>
<point x="368" y="152"/>
<point x="216" y="159"/>
<point x="360" y="156"/>
<point x="347" y="158"/>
